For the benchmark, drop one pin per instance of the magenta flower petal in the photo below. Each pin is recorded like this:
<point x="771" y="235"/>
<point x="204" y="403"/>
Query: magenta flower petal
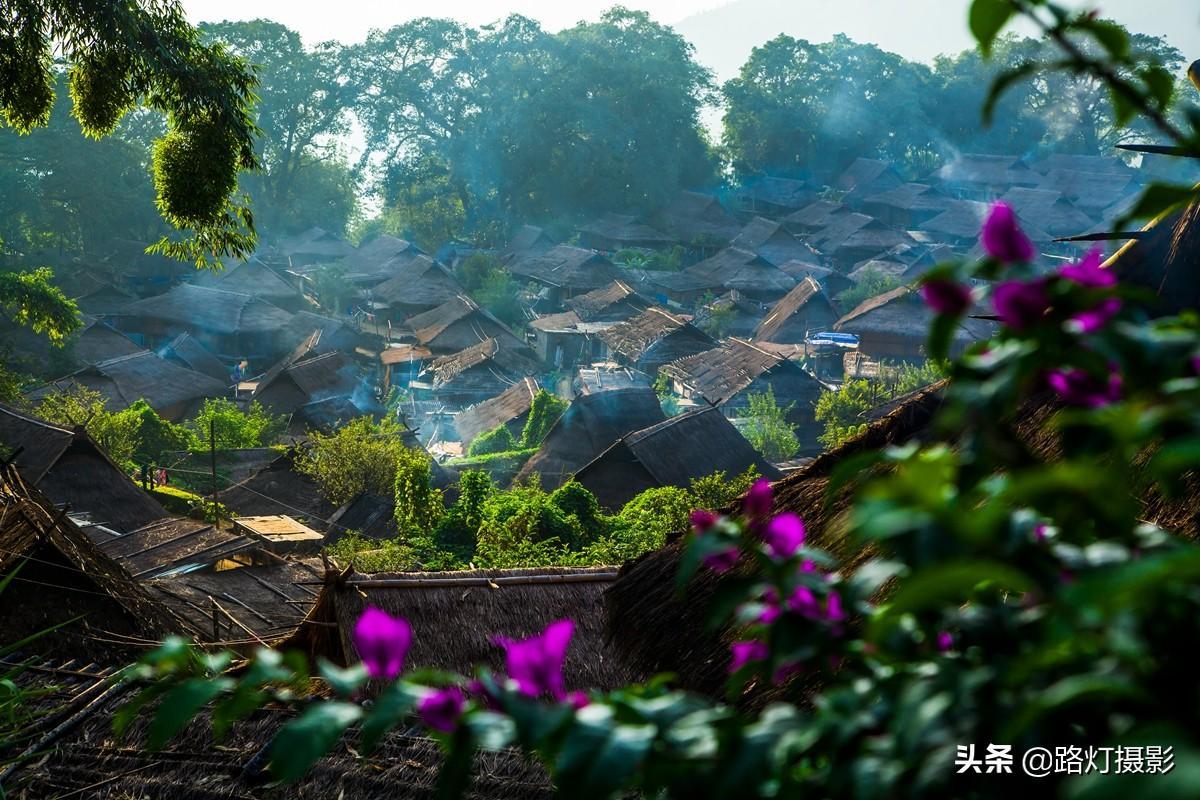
<point x="441" y="709"/>
<point x="1088" y="271"/>
<point x="944" y="641"/>
<point x="722" y="560"/>
<point x="702" y="521"/>
<point x="1003" y="239"/>
<point x="803" y="601"/>
<point x="771" y="610"/>
<point x="382" y="642"/>
<point x="833" y="608"/>
<point x="1079" y="387"/>
<point x="946" y="296"/>
<point x="536" y="663"/>
<point x="759" y="499"/>
<point x="746" y="652"/>
<point x="785" y="671"/>
<point x="579" y="700"/>
<point x="784" y="535"/>
<point x="1096" y="318"/>
<point x="1021" y="304"/>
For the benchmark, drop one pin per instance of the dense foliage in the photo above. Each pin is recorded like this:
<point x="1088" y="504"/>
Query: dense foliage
<point x="359" y="457"/>
<point x="842" y="410"/>
<point x="765" y="425"/>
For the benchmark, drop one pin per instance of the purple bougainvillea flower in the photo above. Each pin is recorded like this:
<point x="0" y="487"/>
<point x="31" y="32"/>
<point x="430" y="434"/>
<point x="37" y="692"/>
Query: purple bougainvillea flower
<point x="833" y="608"/>
<point x="1088" y="271"/>
<point x="1003" y="239"/>
<point x="783" y="535"/>
<point x="1096" y="317"/>
<point x="536" y="663"/>
<point x="759" y="499"/>
<point x="702" y="521"/>
<point x="944" y="641"/>
<point x="483" y="695"/>
<point x="1079" y="387"/>
<point x="440" y="710"/>
<point x="1021" y="304"/>
<point x="722" y="560"/>
<point x="579" y="700"/>
<point x="771" y="610"/>
<point x="785" y="671"/>
<point x="1196" y="364"/>
<point x="744" y="653"/>
<point x="1039" y="532"/>
<point x="803" y="601"/>
<point x="382" y="642"/>
<point x="946" y="296"/>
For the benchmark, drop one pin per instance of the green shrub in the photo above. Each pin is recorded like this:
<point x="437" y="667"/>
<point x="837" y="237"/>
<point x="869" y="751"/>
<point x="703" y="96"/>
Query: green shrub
<point x="497" y="440"/>
<point x="544" y="411"/>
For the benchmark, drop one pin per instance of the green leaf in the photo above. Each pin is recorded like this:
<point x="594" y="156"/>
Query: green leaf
<point x="947" y="584"/>
<point x="128" y="712"/>
<point x="986" y="19"/>
<point x="941" y="336"/>
<point x="302" y="741"/>
<point x="597" y="756"/>
<point x="181" y="704"/>
<point x="396" y="702"/>
<point x="1158" y="199"/>
<point x="1111" y="36"/>
<point x="343" y="681"/>
<point x="455" y="774"/>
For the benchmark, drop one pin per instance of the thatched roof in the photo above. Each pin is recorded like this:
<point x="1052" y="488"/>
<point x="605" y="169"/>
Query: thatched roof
<point x="729" y="369"/>
<point x="455" y="616"/>
<point x="336" y="334"/>
<point x="254" y="278"/>
<point x="746" y="313"/>
<point x="457" y="324"/>
<point x="782" y="193"/>
<point x="1047" y="210"/>
<point x="420" y="281"/>
<point x="314" y="242"/>
<point x="1103" y="165"/>
<point x="900" y="312"/>
<point x="673" y="452"/>
<point x="806" y="295"/>
<point x="1166" y="261"/>
<point x="625" y="230"/>
<point x="371" y="259"/>
<point x="307" y="380"/>
<point x="614" y="302"/>
<point x="636" y="339"/>
<point x="512" y="404"/>
<point x="986" y="170"/>
<point x="186" y="351"/>
<point x="141" y="376"/>
<point x="770" y="240"/>
<point x="567" y="267"/>
<point x="867" y="175"/>
<point x="279" y="488"/>
<point x="99" y="341"/>
<point x="103" y="300"/>
<point x="815" y="216"/>
<point x="746" y="271"/>
<point x="252" y="605"/>
<point x="857" y="233"/>
<point x="1093" y="192"/>
<point x="963" y="220"/>
<point x="908" y="197"/>
<point x="201" y="308"/>
<point x="171" y="544"/>
<point x="692" y="215"/>
<point x="527" y="239"/>
<point x="590" y="425"/>
<point x="63" y="575"/>
<point x="508" y="364"/>
<point x="72" y="470"/>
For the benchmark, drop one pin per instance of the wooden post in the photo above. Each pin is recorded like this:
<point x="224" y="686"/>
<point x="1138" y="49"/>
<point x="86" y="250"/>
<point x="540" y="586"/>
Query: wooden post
<point x="212" y="453"/>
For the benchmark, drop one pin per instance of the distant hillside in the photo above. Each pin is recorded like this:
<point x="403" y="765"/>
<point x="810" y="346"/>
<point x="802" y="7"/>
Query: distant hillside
<point x="725" y="35"/>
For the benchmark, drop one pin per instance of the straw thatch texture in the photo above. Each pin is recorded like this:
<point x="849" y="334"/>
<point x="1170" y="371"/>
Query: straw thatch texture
<point x="170" y="544"/>
<point x="615" y="302"/>
<point x="186" y="351"/>
<point x="458" y="324"/>
<point x="744" y="270"/>
<point x="770" y="240"/>
<point x="653" y="338"/>
<point x="99" y="341"/>
<point x="567" y="267"/>
<point x="672" y="453"/>
<point x="510" y="407"/>
<point x="200" y="308"/>
<point x="896" y="325"/>
<point x="804" y="310"/>
<point x="256" y="279"/>
<point x="616" y="231"/>
<point x="280" y="489"/>
<point x="590" y="425"/>
<point x="815" y="216"/>
<point x="420" y="284"/>
<point x="692" y="216"/>
<point x="63" y="575"/>
<point x="1166" y="261"/>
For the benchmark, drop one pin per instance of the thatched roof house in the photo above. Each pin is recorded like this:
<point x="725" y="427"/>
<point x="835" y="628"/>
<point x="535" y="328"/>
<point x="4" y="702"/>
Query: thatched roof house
<point x="616" y="302"/>
<point x="815" y="216"/>
<point x="63" y="576"/>
<point x="478" y="372"/>
<point x="336" y="334"/>
<point x="849" y="238"/>
<point x="1048" y="211"/>
<point x="744" y="270"/>
<point x="804" y="310"/>
<point x="419" y="284"/>
<point x="731" y="314"/>
<point x="653" y="338"/>
<point x="1090" y="192"/>
<point x="173" y="544"/>
<point x="313" y="246"/>
<point x="727" y="375"/>
<point x="186" y="351"/>
<point x="98" y="341"/>
<point x="906" y="206"/>
<point x="246" y="606"/>
<point x="279" y="488"/>
<point x="455" y="617"/>
<point x="771" y="240"/>
<point x="307" y="380"/>
<point x="961" y="222"/>
<point x="230" y="324"/>
<point x="668" y="286"/>
<point x="377" y="260"/>
<point x="832" y="281"/>
<point x="171" y="390"/>
<point x="566" y="270"/>
<point x="895" y="325"/>
<point x="510" y="407"/>
<point x="104" y="300"/>
<point x="694" y="218"/>
<point x="458" y="324"/>
<point x="255" y="278"/>
<point x="590" y="425"/>
<point x="866" y="177"/>
<point x="775" y="196"/>
<point x="612" y="232"/>
<point x="563" y="340"/>
<point x="70" y="469"/>
<point x="527" y="240"/>
<point x="974" y="176"/>
<point x="674" y="452"/>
